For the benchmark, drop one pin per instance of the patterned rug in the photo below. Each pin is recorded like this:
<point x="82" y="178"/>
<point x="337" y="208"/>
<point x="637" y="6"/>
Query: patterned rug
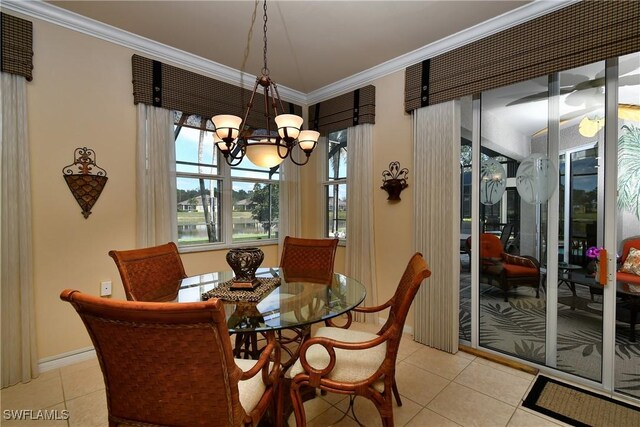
<point x="579" y="407"/>
<point x="518" y="328"/>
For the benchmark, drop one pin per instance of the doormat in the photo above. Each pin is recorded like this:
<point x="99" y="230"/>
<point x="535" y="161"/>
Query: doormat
<point x="579" y="407"/>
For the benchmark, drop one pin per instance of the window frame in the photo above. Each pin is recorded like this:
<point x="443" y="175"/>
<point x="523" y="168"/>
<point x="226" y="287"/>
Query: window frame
<point x="326" y="183"/>
<point x="224" y="174"/>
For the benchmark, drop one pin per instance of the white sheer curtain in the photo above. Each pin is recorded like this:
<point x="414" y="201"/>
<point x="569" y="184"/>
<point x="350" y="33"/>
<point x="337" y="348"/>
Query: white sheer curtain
<point x="156" y="207"/>
<point x="436" y="172"/>
<point x="360" y="253"/>
<point x="289" y="217"/>
<point x="19" y="356"/>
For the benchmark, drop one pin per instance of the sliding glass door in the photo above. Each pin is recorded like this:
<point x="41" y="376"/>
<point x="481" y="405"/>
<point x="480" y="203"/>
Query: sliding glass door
<point x="555" y="210"/>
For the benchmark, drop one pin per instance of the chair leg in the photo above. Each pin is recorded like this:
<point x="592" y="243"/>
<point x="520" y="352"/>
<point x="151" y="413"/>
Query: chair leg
<point x="396" y="393"/>
<point x="298" y="407"/>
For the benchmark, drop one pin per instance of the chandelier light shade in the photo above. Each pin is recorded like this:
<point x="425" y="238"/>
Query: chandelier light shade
<point x="264" y="147"/>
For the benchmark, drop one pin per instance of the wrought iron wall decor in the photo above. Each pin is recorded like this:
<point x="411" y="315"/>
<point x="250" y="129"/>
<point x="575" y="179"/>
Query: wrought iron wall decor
<point x="85" y="179"/>
<point x="394" y="180"/>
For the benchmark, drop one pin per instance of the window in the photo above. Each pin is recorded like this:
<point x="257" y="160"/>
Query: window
<point x="218" y="204"/>
<point x="336" y="185"/>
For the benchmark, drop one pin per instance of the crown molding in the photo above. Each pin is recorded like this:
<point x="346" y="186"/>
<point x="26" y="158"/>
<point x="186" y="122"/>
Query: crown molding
<point x="510" y="19"/>
<point x="73" y="21"/>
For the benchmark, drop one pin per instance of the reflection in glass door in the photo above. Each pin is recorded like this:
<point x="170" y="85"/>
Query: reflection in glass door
<point x="627" y="295"/>
<point x="512" y="306"/>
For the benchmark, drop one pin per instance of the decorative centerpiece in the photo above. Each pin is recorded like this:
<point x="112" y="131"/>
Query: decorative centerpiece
<point x="244" y="262"/>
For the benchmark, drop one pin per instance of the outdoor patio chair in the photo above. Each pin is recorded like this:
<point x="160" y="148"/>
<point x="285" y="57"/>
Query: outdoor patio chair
<point x="506" y="271"/>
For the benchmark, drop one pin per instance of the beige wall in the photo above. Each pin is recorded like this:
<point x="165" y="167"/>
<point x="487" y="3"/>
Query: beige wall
<point x="81" y="95"/>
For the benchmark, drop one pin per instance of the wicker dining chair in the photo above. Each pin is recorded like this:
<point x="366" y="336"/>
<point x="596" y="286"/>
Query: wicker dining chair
<point x="171" y="364"/>
<point x="359" y="363"/>
<point x="150" y="274"/>
<point x="308" y="259"/>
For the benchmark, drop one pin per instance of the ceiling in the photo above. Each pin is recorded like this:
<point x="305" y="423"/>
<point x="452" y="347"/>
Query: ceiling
<point x="311" y="44"/>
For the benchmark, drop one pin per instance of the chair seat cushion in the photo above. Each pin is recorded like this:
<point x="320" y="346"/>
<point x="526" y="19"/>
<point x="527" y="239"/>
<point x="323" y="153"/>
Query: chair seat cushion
<point x="250" y="390"/>
<point x="513" y="270"/>
<point x="351" y="365"/>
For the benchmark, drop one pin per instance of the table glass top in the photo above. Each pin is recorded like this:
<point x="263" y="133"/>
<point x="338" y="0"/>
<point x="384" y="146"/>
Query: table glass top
<point x="288" y="305"/>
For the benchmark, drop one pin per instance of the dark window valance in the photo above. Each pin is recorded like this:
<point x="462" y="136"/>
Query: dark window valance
<point x="579" y="34"/>
<point x="17" y="46"/>
<point x="351" y="109"/>
<point x="173" y="88"/>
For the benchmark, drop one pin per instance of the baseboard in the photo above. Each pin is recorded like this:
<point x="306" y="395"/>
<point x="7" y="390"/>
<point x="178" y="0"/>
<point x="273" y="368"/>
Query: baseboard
<point x="66" y="359"/>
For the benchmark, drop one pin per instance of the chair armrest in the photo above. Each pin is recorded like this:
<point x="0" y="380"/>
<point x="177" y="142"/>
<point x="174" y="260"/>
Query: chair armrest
<point x="373" y="309"/>
<point x="330" y="345"/>
<point x="262" y="365"/>
<point x="329" y="322"/>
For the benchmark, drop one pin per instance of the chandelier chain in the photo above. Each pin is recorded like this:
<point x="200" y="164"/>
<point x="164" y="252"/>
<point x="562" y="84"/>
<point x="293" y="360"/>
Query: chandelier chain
<point x="265" y="69"/>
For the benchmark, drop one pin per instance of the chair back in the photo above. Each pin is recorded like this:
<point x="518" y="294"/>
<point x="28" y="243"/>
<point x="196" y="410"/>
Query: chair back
<point x="150" y="274"/>
<point x="490" y="246"/>
<point x="163" y="363"/>
<point x="505" y="234"/>
<point x="416" y="271"/>
<point x="308" y="259"/>
<point x="627" y="244"/>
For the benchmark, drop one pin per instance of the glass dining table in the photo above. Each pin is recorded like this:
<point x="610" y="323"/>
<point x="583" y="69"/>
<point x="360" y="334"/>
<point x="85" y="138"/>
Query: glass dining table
<point x="287" y="310"/>
<point x="290" y="304"/>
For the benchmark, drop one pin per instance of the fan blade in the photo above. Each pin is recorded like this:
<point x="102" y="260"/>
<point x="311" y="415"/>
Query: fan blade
<point x="630" y="80"/>
<point x="538" y="97"/>
<point x="570" y="79"/>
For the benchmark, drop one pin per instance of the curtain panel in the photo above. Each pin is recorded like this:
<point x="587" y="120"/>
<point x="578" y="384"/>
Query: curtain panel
<point x="290" y="216"/>
<point x="156" y="217"/>
<point x="436" y="147"/>
<point x="19" y="355"/>
<point x="579" y="34"/>
<point x="161" y="85"/>
<point x="351" y="109"/>
<point x="360" y="250"/>
<point x="16" y="45"/>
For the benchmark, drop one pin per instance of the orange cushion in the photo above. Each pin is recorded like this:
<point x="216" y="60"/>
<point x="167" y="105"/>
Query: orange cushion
<point x="514" y="270"/>
<point x="490" y="246"/>
<point x="632" y="263"/>
<point x="628" y="278"/>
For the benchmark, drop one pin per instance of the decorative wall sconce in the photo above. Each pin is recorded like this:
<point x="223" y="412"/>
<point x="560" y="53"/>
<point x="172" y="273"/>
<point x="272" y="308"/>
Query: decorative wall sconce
<point x="394" y="180"/>
<point x="85" y="179"/>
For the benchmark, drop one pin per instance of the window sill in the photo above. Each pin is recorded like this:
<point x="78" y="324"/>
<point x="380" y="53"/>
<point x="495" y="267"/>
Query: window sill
<point x="223" y="246"/>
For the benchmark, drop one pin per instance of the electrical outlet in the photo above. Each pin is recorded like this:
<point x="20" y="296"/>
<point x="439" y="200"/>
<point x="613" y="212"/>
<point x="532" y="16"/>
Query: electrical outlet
<point x="105" y="289"/>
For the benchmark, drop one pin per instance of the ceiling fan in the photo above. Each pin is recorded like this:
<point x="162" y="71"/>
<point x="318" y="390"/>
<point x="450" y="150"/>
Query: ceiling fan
<point x="591" y="124"/>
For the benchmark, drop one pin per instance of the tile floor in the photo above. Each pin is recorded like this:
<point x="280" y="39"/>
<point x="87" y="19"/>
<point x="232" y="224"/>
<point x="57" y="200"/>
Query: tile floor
<point x="437" y="388"/>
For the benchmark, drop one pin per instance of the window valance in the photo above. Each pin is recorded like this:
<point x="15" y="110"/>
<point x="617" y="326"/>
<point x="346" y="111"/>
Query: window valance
<point x="17" y="46"/>
<point x="353" y="108"/>
<point x="166" y="86"/>
<point x="576" y="35"/>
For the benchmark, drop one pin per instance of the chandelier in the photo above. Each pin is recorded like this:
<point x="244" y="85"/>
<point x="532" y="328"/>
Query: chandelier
<point x="264" y="147"/>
